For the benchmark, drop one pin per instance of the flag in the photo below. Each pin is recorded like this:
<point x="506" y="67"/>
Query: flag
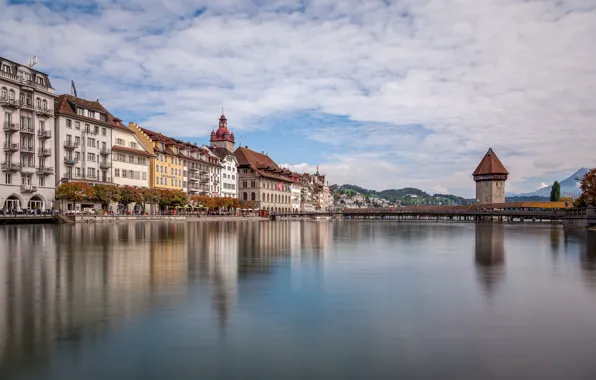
<point x="280" y="186"/>
<point x="73" y="88"/>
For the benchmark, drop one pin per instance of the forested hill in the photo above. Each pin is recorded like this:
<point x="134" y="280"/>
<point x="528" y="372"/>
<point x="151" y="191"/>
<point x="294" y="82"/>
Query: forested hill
<point x="407" y="195"/>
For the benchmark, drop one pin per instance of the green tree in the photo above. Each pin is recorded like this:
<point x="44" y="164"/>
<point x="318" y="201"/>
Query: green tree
<point x="149" y="196"/>
<point x="105" y="194"/>
<point x="74" y="191"/>
<point x="555" y="192"/>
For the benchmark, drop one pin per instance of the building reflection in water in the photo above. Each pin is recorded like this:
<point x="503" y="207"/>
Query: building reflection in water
<point x="490" y="255"/>
<point x="587" y="255"/>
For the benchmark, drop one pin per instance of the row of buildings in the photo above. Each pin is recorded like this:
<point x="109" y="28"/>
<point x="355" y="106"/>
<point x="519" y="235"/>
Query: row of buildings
<point x="51" y="139"/>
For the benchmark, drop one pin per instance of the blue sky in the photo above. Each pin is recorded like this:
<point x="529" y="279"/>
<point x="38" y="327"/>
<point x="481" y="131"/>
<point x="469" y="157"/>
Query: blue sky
<point x="379" y="93"/>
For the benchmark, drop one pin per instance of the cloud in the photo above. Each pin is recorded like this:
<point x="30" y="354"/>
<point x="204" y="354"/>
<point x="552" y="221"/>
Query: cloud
<point x="419" y="90"/>
<point x="542" y="186"/>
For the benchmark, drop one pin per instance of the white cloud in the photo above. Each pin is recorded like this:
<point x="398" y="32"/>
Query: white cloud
<point x="542" y="186"/>
<point x="514" y="75"/>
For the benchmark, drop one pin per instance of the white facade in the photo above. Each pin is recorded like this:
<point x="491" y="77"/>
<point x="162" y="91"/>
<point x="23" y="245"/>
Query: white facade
<point x="27" y="112"/>
<point x="296" y="197"/>
<point x="214" y="169"/>
<point x="129" y="168"/>
<point x="83" y="142"/>
<point x="229" y="177"/>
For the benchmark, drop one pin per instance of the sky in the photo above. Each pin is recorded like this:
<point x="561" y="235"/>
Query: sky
<point x="378" y="93"/>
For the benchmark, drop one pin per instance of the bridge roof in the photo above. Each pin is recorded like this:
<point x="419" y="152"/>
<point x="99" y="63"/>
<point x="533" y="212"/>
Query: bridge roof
<point x="490" y="164"/>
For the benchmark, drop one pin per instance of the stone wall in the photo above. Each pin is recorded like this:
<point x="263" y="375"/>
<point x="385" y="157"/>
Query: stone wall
<point x="124" y="218"/>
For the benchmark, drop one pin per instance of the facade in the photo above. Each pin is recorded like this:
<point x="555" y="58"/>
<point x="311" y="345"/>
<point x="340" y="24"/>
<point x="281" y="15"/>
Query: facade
<point x="490" y="177"/>
<point x="83" y="141"/>
<point x="166" y="165"/>
<point x="130" y="158"/>
<point x="214" y="169"/>
<point x="229" y="171"/>
<point x="261" y="180"/>
<point x="26" y="107"/>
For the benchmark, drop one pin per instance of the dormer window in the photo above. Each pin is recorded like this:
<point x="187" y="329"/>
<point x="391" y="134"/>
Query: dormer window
<point x="40" y="80"/>
<point x="81" y="111"/>
<point x="6" y="68"/>
<point x="91" y="114"/>
<point x="161" y="146"/>
<point x="103" y="117"/>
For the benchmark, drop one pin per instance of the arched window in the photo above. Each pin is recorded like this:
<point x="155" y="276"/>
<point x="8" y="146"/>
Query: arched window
<point x="11" y="94"/>
<point x="44" y="104"/>
<point x="253" y="196"/>
<point x="38" y="103"/>
<point x="4" y="93"/>
<point x="245" y="196"/>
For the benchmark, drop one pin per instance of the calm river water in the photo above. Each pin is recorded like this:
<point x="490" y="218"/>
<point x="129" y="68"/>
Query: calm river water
<point x="297" y="300"/>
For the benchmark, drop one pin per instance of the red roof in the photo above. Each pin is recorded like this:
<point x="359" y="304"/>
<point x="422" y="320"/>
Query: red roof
<point x="222" y="134"/>
<point x="131" y="150"/>
<point x="262" y="164"/>
<point x="490" y="164"/>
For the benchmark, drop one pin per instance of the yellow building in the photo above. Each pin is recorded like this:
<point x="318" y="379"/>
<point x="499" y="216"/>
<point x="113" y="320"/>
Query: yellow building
<point x="166" y="167"/>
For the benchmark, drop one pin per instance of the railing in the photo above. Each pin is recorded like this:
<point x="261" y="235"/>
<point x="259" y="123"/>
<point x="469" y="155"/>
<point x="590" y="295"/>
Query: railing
<point x="22" y="80"/>
<point x="44" y="134"/>
<point x="68" y="144"/>
<point x="195" y="169"/>
<point x="10" y="166"/>
<point x="27" y="105"/>
<point x="11" y="127"/>
<point x="11" y="147"/>
<point x="44" y="152"/>
<point x="70" y="161"/>
<point x="28" y="188"/>
<point x="9" y="102"/>
<point x="44" y="111"/>
<point x="105" y="165"/>
<point x="105" y="151"/>
<point x="27" y="149"/>
<point x="27" y="129"/>
<point x="29" y="169"/>
<point x="45" y="170"/>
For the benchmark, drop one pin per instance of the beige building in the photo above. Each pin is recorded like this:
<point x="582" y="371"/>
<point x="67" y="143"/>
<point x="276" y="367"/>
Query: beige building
<point x="490" y="177"/>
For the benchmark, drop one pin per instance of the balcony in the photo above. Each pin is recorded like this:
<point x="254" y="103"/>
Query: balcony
<point x="27" y="149"/>
<point x="28" y="169"/>
<point x="105" y="164"/>
<point x="44" y="111"/>
<point x="105" y="151"/>
<point x="44" y="152"/>
<point x="69" y="144"/>
<point x="6" y="102"/>
<point x="44" y="134"/>
<point x="11" y="127"/>
<point x="11" y="147"/>
<point x="27" y="105"/>
<point x="194" y="169"/>
<point x="10" y="166"/>
<point x="45" y="170"/>
<point x="26" y="129"/>
<point x="98" y="178"/>
<point x="70" y="161"/>
<point x="194" y="178"/>
<point x="204" y="180"/>
<point x="28" y="188"/>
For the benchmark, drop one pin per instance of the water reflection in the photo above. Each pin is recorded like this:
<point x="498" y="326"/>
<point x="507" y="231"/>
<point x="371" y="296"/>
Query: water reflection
<point x="490" y="255"/>
<point x="70" y="283"/>
<point x="587" y="252"/>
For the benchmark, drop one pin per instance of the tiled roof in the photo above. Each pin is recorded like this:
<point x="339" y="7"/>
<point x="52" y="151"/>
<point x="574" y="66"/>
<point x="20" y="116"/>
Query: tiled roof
<point x="221" y="152"/>
<point x="140" y="152"/>
<point x="261" y="163"/>
<point x="66" y="105"/>
<point x="490" y="164"/>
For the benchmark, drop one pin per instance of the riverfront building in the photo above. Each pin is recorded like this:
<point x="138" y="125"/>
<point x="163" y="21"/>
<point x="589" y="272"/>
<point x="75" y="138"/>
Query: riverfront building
<point x="26" y="107"/>
<point x="222" y="145"/>
<point x="130" y="158"/>
<point x="490" y="177"/>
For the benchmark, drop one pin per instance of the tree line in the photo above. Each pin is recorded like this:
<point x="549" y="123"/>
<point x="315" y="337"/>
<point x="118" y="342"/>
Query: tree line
<point x="127" y="195"/>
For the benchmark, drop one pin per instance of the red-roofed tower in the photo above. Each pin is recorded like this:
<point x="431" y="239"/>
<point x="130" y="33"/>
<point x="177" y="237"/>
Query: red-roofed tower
<point x="490" y="177"/>
<point x="222" y="137"/>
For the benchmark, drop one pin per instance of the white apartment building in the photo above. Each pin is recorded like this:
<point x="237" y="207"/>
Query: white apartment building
<point x="83" y="141"/>
<point x="26" y="107"/>
<point x="130" y="158"/>
<point x="295" y="196"/>
<point x="229" y="172"/>
<point x="213" y="168"/>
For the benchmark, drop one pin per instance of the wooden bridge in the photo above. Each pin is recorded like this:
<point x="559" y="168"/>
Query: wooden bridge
<point x="506" y="212"/>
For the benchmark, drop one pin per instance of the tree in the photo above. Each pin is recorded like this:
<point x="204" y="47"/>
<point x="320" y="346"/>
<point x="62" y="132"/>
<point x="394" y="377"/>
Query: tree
<point x="149" y="196"/>
<point x="129" y="194"/>
<point x="555" y="193"/>
<point x="74" y="191"/>
<point x="105" y="194"/>
<point x="588" y="186"/>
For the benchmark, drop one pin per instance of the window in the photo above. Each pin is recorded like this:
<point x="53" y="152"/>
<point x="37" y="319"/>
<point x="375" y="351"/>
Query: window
<point x="142" y="161"/>
<point x="91" y="142"/>
<point x="253" y="197"/>
<point x="42" y="181"/>
<point x="39" y="80"/>
<point x="44" y="104"/>
<point x="120" y="142"/>
<point x="68" y="123"/>
<point x="91" y="114"/>
<point x="103" y="132"/>
<point x="130" y="174"/>
<point x="131" y="159"/>
<point x="11" y="95"/>
<point x="78" y="156"/>
<point x="245" y="196"/>
<point x="78" y="172"/>
<point x="6" y="68"/>
<point x="4" y="93"/>
<point x="116" y="172"/>
<point x="96" y="129"/>
<point x="91" y="172"/>
<point x="157" y="168"/>
<point x="80" y="111"/>
<point x="233" y="176"/>
<point x="124" y="174"/>
<point x="144" y="176"/>
<point x="156" y="181"/>
<point x="133" y="144"/>
<point x="42" y="125"/>
<point x="77" y="140"/>
<point x="91" y="157"/>
<point x="77" y="125"/>
<point x="103" y="117"/>
<point x="38" y="103"/>
<point x="253" y="184"/>
<point x="8" y="178"/>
